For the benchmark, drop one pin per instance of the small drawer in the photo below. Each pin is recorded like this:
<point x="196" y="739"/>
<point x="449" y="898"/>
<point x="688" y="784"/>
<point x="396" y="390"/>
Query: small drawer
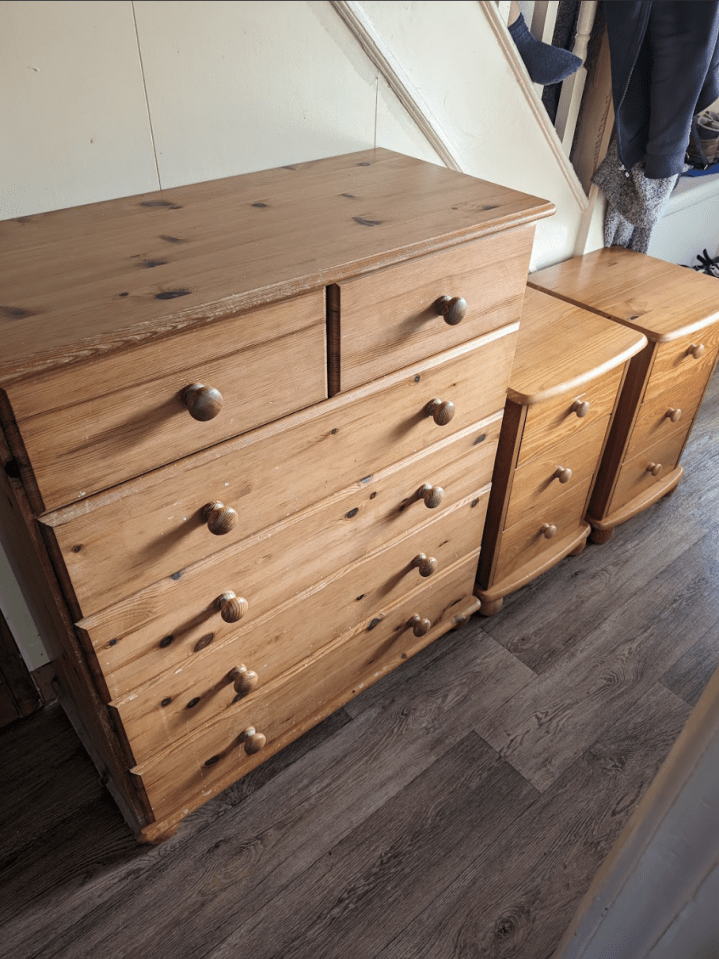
<point x="87" y="428"/>
<point x="528" y="539"/>
<point x="209" y="758"/>
<point x="555" y="472"/>
<point x="663" y="414"/>
<point x="690" y="357"/>
<point x="157" y="713"/>
<point x="389" y="319"/>
<point x="118" y="542"/>
<point x="167" y="624"/>
<point x="552" y="423"/>
<point x="639" y="474"/>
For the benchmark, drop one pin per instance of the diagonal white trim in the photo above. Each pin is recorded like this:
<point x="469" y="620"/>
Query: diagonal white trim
<point x="399" y="82"/>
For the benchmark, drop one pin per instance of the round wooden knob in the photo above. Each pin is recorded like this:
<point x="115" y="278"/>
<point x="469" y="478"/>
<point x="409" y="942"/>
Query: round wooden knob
<point x="220" y="519"/>
<point x="432" y="495"/>
<point x="563" y="474"/>
<point x="452" y="308"/>
<point x="252" y="740"/>
<point x="232" y="608"/>
<point x="655" y="469"/>
<point x="673" y="414"/>
<point x="441" y="412"/>
<point x="203" y="402"/>
<point x="425" y="564"/>
<point x="580" y="407"/>
<point x="244" y="680"/>
<point x="419" y="625"/>
<point x="548" y="530"/>
<point x="696" y="350"/>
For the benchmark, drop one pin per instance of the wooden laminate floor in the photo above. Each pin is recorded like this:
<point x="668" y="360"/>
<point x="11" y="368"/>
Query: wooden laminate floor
<point x="459" y="808"/>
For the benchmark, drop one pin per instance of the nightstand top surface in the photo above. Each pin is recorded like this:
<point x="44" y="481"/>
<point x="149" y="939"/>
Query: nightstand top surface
<point x="662" y="300"/>
<point x="561" y="347"/>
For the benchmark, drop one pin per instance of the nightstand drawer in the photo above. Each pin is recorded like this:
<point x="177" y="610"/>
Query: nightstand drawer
<point x="540" y="481"/>
<point x="552" y="423"/>
<point x="388" y="319"/>
<point x="528" y="539"/>
<point x="690" y="357"/>
<point x="207" y="759"/>
<point x="116" y="543"/>
<point x="665" y="413"/>
<point x="87" y="428"/>
<point x="641" y="472"/>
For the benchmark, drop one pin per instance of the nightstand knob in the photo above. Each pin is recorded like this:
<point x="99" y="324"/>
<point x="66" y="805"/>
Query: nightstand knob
<point x="548" y="530"/>
<point x="425" y="564"/>
<point x="452" y="308"/>
<point x="563" y="474"/>
<point x="441" y="412"/>
<point x="232" y="608"/>
<point x="696" y="350"/>
<point x="432" y="495"/>
<point x="203" y="402"/>
<point x="655" y="469"/>
<point x="673" y="414"/>
<point x="420" y="626"/>
<point x="580" y="407"/>
<point x="253" y="741"/>
<point x="220" y="519"/>
<point x="244" y="679"/>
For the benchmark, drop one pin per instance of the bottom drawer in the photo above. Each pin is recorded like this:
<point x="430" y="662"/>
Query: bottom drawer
<point x="526" y="540"/>
<point x="215" y="755"/>
<point x="636" y="476"/>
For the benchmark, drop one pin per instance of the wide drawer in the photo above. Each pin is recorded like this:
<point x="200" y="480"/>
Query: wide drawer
<point x="117" y="542"/>
<point x="388" y="319"/>
<point x="86" y="428"/>
<point x="168" y="623"/>
<point x="552" y="423"/>
<point x="640" y="473"/>
<point x="527" y="539"/>
<point x="689" y="357"/>
<point x="156" y="714"/>
<point x="662" y="415"/>
<point x="212" y="756"/>
<point x="540" y="481"/>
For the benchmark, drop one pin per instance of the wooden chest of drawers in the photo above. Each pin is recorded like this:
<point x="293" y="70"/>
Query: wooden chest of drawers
<point x="568" y="370"/>
<point x="678" y="311"/>
<point x="249" y="429"/>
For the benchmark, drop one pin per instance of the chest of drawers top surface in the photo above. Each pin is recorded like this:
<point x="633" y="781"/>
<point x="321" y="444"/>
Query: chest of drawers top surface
<point x="90" y="279"/>
<point x="662" y="300"/>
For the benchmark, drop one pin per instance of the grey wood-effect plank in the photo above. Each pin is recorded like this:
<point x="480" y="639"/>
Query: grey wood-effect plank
<point x="553" y="719"/>
<point x="692" y="671"/>
<point x="517" y="896"/>
<point x="385" y="873"/>
<point x="258" y="847"/>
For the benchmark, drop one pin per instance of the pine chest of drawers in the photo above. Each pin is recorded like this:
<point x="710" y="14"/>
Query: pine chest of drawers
<point x="678" y="312"/>
<point x="568" y="371"/>
<point x="249" y="429"/>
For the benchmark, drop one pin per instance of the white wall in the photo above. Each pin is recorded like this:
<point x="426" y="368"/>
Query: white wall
<point x="111" y="98"/>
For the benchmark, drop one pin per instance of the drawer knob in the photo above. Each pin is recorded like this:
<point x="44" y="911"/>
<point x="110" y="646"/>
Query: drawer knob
<point x="244" y="680"/>
<point x="673" y="414"/>
<point x="432" y="495"/>
<point x="696" y="350"/>
<point x="441" y="412"/>
<point x="232" y="608"/>
<point x="252" y="740"/>
<point x="425" y="564"/>
<point x="419" y="626"/>
<point x="452" y="308"/>
<point x="548" y="530"/>
<point x="563" y="474"/>
<point x="203" y="402"/>
<point x="655" y="469"/>
<point x="220" y="519"/>
<point x="580" y="407"/>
